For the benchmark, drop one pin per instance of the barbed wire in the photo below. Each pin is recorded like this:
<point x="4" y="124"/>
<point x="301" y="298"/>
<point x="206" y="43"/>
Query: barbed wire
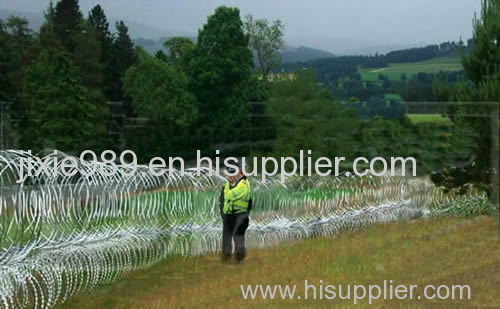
<point x="62" y="235"/>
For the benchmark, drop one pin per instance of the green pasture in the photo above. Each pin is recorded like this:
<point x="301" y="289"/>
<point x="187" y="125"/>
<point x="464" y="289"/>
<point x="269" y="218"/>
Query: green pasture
<point x="438" y="251"/>
<point x="395" y="70"/>
<point x="428" y="118"/>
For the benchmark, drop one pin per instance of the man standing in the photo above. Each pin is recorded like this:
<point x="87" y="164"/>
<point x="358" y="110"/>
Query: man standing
<point x="235" y="205"/>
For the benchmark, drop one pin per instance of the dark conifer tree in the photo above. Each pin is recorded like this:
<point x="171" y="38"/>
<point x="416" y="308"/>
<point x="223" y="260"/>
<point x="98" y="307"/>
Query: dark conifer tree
<point x="124" y="56"/>
<point x="68" y="22"/>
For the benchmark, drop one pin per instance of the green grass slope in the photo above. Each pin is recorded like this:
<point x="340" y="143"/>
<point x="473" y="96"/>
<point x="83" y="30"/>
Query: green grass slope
<point x="395" y="70"/>
<point x="443" y="251"/>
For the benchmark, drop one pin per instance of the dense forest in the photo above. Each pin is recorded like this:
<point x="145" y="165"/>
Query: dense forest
<point x="80" y="83"/>
<point x="341" y="74"/>
<point x="78" y="76"/>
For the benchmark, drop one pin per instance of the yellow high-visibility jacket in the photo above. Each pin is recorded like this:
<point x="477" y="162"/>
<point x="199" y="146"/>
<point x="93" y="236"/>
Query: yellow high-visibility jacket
<point x="236" y="199"/>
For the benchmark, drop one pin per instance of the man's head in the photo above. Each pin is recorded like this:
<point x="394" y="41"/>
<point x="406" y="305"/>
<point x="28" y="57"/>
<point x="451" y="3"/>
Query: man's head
<point x="236" y="173"/>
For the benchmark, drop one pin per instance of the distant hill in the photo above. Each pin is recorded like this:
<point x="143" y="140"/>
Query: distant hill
<point x="378" y="49"/>
<point x="303" y="54"/>
<point x="35" y="19"/>
<point x="136" y="30"/>
<point x="289" y="55"/>
<point x="149" y="45"/>
<point x="151" y="38"/>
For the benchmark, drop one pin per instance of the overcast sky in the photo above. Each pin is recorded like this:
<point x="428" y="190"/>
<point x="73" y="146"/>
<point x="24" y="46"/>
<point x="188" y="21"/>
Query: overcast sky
<point x="334" y="25"/>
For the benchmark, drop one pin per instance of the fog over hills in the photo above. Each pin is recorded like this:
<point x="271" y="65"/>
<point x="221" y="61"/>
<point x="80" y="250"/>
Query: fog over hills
<point x="338" y="27"/>
<point x="151" y="38"/>
<point x="136" y="29"/>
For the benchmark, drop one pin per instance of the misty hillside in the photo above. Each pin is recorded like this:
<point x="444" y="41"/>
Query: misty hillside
<point x="302" y="54"/>
<point x="289" y="55"/>
<point x="146" y="37"/>
<point x="35" y="19"/>
<point x="152" y="46"/>
<point x="136" y="30"/>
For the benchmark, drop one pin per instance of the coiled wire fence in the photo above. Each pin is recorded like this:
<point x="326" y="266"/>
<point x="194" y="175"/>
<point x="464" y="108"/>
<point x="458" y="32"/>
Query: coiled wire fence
<point x="61" y="235"/>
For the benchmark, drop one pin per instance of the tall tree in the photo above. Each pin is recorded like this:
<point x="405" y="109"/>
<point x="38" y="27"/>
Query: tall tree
<point x="68" y="22"/>
<point x="50" y="14"/>
<point x="6" y="89"/>
<point x="123" y="57"/>
<point x="60" y="115"/>
<point x="87" y="55"/>
<point x="47" y="38"/>
<point x="160" y="93"/>
<point x="98" y="21"/>
<point x="178" y="48"/>
<point x="81" y="40"/>
<point x="22" y="50"/>
<point x="221" y="70"/>
<point x="266" y="39"/>
<point x="4" y="63"/>
<point x="161" y="56"/>
<point x="483" y="60"/>
<point x="17" y="40"/>
<point x="482" y="65"/>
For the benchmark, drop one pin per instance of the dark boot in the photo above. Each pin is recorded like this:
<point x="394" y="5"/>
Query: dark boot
<point x="225" y="258"/>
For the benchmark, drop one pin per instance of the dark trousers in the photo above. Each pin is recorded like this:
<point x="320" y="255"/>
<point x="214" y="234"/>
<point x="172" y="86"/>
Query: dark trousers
<point x="235" y="227"/>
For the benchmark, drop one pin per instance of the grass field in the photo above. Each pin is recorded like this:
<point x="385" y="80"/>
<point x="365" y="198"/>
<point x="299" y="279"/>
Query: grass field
<point x="395" y="70"/>
<point x="419" y="118"/>
<point x="436" y="251"/>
